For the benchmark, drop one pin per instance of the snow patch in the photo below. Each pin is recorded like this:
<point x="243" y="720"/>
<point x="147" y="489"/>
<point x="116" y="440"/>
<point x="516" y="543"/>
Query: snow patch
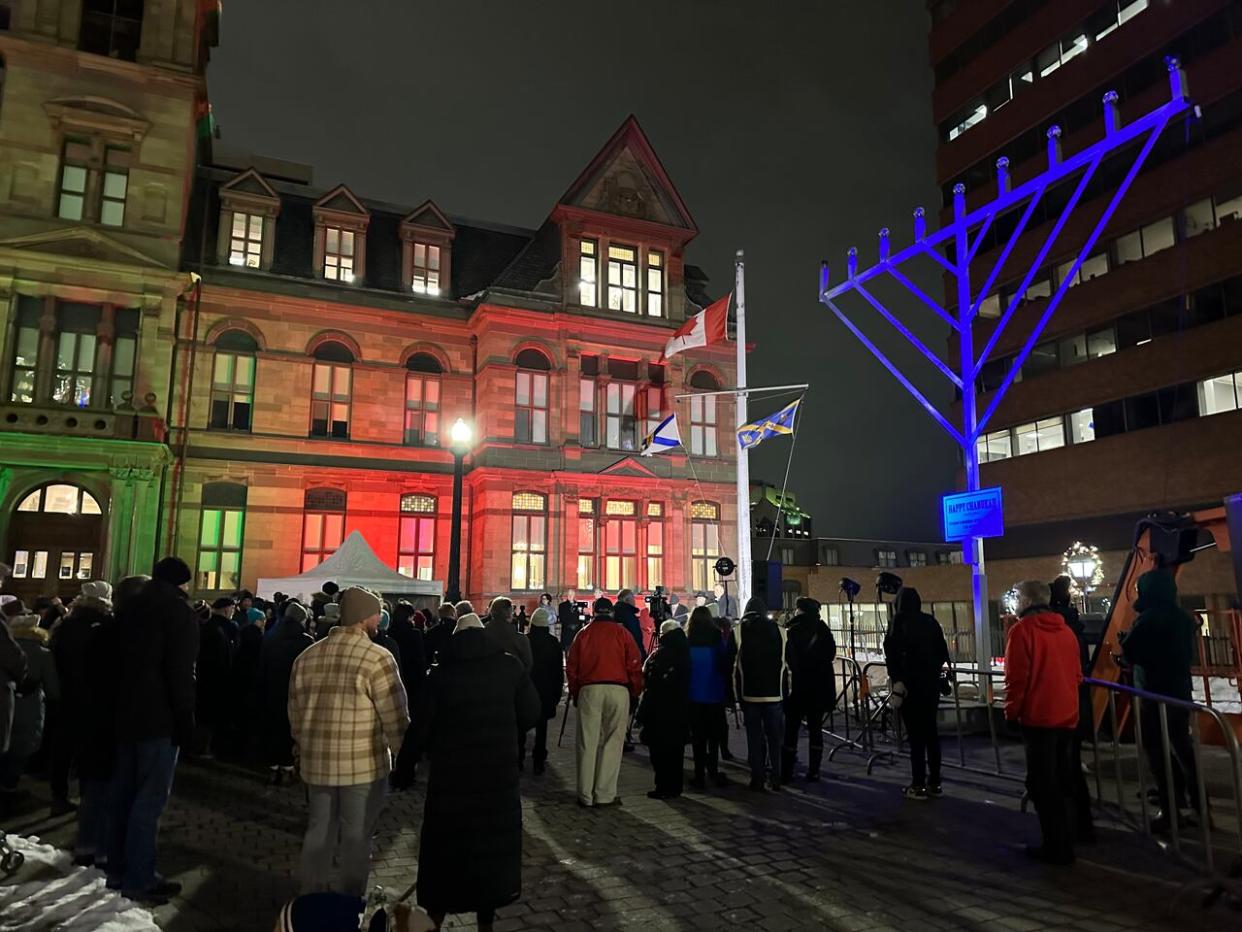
<point x="64" y="897"/>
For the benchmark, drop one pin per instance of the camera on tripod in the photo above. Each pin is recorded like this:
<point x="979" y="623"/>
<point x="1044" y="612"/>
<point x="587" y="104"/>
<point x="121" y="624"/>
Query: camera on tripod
<point x="657" y="602"/>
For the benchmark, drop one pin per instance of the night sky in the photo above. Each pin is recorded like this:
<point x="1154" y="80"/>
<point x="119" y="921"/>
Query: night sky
<point x="792" y="129"/>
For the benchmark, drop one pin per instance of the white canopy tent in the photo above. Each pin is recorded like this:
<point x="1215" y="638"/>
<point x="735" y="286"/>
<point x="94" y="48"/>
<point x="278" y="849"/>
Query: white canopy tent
<point x="353" y="564"/>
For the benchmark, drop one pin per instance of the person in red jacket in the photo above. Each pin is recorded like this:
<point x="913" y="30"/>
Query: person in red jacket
<point x="605" y="672"/>
<point x="1042" y="673"/>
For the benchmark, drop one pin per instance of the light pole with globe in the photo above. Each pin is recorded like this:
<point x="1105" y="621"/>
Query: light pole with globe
<point x="1082" y="563"/>
<point x="461" y="434"/>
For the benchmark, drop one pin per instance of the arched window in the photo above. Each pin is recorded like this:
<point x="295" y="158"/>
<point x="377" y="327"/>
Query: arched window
<point x="530" y="399"/>
<point x="61" y="524"/>
<point x="422" y="401"/>
<point x="416" y="548"/>
<point x="704" y="544"/>
<point x="323" y="525"/>
<point x="331" y="391"/>
<point x="703" y="429"/>
<point x="220" y="537"/>
<point x="529" y="541"/>
<point x="232" y="381"/>
<point x="61" y="499"/>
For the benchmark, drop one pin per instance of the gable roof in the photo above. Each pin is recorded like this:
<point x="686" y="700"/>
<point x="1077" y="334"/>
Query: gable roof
<point x="250" y="182"/>
<point x="342" y="200"/>
<point x="626" y="178"/>
<point x="429" y="216"/>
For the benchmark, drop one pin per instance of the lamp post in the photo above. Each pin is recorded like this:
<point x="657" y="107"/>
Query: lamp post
<point x="460" y="436"/>
<point x="1082" y="564"/>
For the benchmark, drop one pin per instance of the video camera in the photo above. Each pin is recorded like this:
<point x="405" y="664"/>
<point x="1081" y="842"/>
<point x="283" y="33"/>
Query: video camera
<point x="584" y="611"/>
<point x="657" y="602"/>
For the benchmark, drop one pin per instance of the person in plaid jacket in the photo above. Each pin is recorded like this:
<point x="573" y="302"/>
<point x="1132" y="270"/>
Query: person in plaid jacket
<point x="348" y="712"/>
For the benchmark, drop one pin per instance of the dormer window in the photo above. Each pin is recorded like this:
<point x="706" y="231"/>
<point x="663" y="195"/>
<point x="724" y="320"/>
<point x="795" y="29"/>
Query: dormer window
<point x="655" y="284"/>
<point x="426" y="269"/>
<point x="426" y="249"/>
<point x="588" y="272"/>
<point x="338" y="254"/>
<point x="248" y="210"/>
<point x="622" y="288"/>
<point x="623" y="279"/>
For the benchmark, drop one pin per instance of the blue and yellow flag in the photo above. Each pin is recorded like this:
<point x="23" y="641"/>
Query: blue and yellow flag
<point x="775" y="425"/>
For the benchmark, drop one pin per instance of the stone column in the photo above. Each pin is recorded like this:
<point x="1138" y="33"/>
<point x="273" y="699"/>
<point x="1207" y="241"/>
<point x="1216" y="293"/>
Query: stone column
<point x="118" y="549"/>
<point x="146" y="518"/>
<point x="47" y="352"/>
<point x="105" y="338"/>
<point x="6" y="480"/>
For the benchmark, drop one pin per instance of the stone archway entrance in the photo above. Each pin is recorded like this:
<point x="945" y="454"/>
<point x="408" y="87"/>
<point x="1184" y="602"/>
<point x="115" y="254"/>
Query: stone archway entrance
<point x="55" y="542"/>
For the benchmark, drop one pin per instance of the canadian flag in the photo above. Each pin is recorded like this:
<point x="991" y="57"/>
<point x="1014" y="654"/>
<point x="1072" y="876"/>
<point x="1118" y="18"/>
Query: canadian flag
<point x="703" y="329"/>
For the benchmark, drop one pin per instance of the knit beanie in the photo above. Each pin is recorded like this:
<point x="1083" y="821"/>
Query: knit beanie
<point x="97" y="589"/>
<point x="295" y="611"/>
<point x="358" y="604"/>
<point x="468" y="620"/>
<point x="173" y="571"/>
<point x="542" y="618"/>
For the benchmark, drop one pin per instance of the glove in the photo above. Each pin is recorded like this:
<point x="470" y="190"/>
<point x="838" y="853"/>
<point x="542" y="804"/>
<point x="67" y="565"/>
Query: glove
<point x="897" y="695"/>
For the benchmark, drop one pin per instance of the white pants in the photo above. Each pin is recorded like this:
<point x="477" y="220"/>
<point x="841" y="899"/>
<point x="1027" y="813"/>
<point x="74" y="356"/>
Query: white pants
<point x="603" y="712"/>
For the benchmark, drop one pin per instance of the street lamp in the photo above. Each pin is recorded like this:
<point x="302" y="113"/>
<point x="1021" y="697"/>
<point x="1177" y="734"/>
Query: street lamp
<point x="460" y="436"/>
<point x="1083" y="565"/>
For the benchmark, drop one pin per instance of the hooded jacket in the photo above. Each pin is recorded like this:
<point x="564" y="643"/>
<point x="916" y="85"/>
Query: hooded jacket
<point x="761" y="669"/>
<point x="914" y="647"/>
<point x="506" y="636"/>
<point x="1161" y="643"/>
<point x="810" y="652"/>
<point x="1042" y="671"/>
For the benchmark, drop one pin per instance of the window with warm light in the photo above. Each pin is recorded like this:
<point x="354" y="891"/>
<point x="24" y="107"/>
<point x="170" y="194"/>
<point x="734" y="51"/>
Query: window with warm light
<point x="331" y="390"/>
<point x="338" y="254"/>
<point x="655" y="545"/>
<point x="530" y="397"/>
<point x="620" y="546"/>
<point x="586" y="544"/>
<point x="623" y="279"/>
<point x="25" y="351"/>
<point x="75" y="362"/>
<point x="528" y="542"/>
<point x="221" y="532"/>
<point x="704" y="544"/>
<point x="426" y="269"/>
<point x="422" y="401"/>
<point x="417" y="543"/>
<point x="588" y="273"/>
<point x="588" y="414"/>
<point x="60" y="499"/>
<point x="655" y="284"/>
<point x="246" y="240"/>
<point x="620" y="416"/>
<point x="323" y="525"/>
<point x="703" y="428"/>
<point x="232" y="382"/>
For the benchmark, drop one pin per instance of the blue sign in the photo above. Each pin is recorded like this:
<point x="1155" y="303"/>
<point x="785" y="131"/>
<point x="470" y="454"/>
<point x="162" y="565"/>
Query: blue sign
<point x="973" y="514"/>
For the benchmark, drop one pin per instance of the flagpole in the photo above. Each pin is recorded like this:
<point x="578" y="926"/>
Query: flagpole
<point x="743" y="456"/>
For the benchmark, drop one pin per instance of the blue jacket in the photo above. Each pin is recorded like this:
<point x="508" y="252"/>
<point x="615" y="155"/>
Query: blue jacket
<point x="708" y="673"/>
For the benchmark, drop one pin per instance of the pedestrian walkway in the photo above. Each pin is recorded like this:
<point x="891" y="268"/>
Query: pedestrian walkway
<point x="845" y="854"/>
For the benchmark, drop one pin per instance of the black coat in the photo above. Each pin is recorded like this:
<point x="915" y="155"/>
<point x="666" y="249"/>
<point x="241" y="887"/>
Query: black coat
<point x="809" y="653"/>
<point x="275" y="668"/>
<point x="435" y="639"/>
<point x="664" y="708"/>
<point x="472" y="706"/>
<point x="215" y="660"/>
<point x="627" y="615"/>
<point x="97" y="750"/>
<point x="567" y="618"/>
<point x="413" y="655"/>
<point x="158" y="644"/>
<point x="386" y="642"/>
<point x="71" y="648"/>
<point x="914" y="648"/>
<point x="548" y="674"/>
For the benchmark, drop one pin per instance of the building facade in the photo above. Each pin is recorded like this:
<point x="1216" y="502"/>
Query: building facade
<point x="1132" y="402"/>
<point x="97" y="148"/>
<point x="334" y="340"/>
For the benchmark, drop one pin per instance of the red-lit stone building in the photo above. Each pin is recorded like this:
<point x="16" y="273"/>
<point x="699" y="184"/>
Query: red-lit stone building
<point x="335" y="339"/>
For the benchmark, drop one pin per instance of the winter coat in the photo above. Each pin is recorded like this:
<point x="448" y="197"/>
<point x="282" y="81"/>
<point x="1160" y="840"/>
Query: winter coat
<point x="244" y="677"/>
<point x="509" y="639"/>
<point x="1069" y="613"/>
<point x="548" y="673"/>
<point x="567" y="619"/>
<point x="473" y="704"/>
<point x="436" y="638"/>
<point x="12" y="672"/>
<point x="97" y="749"/>
<point x="1161" y="643"/>
<point x="215" y="660"/>
<point x="71" y="647"/>
<point x="604" y="653"/>
<point x="709" y="668"/>
<point x="761" y="669"/>
<point x="158" y="645"/>
<point x="915" y="648"/>
<point x="810" y="651"/>
<point x="1042" y="671"/>
<point x="386" y="642"/>
<point x="275" y="668"/>
<point x="39" y="686"/>
<point x="664" y="709"/>
<point x="413" y="654"/>
<point x="627" y="615"/>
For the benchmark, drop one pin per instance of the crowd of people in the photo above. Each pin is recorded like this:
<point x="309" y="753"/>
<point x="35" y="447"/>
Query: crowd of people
<point x="350" y="695"/>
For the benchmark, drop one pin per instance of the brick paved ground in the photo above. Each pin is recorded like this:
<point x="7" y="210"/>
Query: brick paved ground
<point x="846" y="854"/>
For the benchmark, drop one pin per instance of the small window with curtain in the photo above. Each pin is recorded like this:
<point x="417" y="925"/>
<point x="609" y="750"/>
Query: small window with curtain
<point x="323" y="525"/>
<point x="417" y="542"/>
<point x="655" y="284"/>
<point x="338" y="254"/>
<point x="246" y="240"/>
<point x="426" y="269"/>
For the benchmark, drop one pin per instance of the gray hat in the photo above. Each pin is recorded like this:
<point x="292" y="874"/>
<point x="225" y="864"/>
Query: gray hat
<point x="542" y="618"/>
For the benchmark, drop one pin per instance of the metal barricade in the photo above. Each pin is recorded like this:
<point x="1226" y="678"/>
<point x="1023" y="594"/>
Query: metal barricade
<point x="1214" y="879"/>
